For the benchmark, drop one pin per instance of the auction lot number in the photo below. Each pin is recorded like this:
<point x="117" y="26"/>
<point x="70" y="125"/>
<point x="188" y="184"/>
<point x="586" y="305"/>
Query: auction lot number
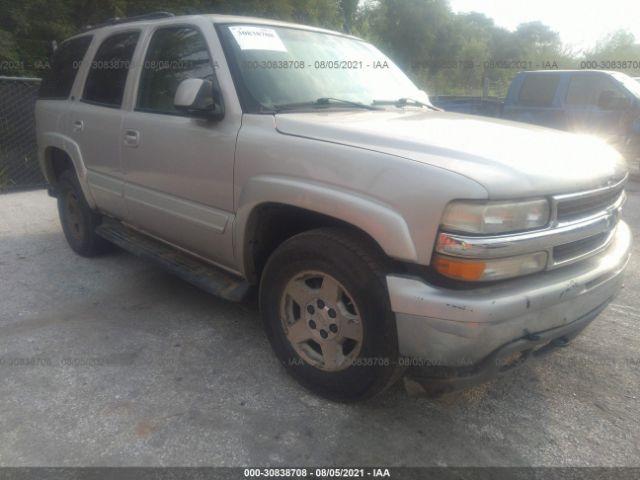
<point x="317" y="472"/>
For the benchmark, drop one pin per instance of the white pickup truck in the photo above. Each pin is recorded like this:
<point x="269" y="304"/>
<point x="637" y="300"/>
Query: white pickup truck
<point x="382" y="234"/>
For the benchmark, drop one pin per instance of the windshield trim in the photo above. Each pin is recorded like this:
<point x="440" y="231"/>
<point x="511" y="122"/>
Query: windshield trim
<point x="248" y="104"/>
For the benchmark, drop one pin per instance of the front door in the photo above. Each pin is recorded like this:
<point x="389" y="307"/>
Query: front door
<point x="588" y="116"/>
<point x="179" y="169"/>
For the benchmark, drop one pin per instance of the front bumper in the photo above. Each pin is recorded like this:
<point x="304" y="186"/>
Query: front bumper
<point x="463" y="328"/>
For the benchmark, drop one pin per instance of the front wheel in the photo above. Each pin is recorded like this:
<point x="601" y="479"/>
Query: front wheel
<point x="326" y="311"/>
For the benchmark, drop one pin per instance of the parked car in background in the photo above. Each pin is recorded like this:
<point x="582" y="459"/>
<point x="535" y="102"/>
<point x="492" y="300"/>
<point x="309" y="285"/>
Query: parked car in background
<point x="594" y="102"/>
<point x="381" y="233"/>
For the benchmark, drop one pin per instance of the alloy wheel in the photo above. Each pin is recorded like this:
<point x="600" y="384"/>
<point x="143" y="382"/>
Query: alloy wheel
<point x="321" y="321"/>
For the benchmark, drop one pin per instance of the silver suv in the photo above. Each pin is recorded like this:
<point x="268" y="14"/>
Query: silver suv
<point x="382" y="234"/>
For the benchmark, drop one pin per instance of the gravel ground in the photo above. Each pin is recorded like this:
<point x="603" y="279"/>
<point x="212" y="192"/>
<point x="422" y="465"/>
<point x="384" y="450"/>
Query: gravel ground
<point x="112" y="361"/>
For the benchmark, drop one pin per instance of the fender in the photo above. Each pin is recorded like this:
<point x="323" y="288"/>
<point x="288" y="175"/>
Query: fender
<point x="72" y="149"/>
<point x="380" y="221"/>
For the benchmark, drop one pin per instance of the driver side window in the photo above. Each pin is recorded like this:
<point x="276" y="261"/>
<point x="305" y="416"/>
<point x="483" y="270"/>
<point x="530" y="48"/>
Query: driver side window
<point x="586" y="90"/>
<point x="616" y="94"/>
<point x="174" y="54"/>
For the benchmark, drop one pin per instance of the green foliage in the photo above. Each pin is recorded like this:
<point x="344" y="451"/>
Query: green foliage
<point x="348" y="10"/>
<point x="445" y="53"/>
<point x="618" y="47"/>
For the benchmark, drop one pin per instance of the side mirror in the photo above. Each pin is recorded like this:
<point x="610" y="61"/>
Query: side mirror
<point x="609" y="100"/>
<point x="199" y="98"/>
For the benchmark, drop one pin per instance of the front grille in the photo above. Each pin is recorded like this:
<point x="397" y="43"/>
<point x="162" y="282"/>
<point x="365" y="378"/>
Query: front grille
<point x="585" y="206"/>
<point x="578" y="248"/>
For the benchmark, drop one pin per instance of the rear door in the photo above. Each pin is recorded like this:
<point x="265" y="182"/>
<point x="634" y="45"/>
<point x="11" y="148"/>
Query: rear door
<point x="537" y="100"/>
<point x="179" y="169"/>
<point x="96" y="119"/>
<point x="53" y="105"/>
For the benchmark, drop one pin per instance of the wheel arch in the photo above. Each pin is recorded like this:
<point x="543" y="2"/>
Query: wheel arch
<point x="272" y="209"/>
<point x="57" y="153"/>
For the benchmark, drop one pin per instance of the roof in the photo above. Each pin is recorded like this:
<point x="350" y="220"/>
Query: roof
<point x="266" y="21"/>
<point x="215" y="18"/>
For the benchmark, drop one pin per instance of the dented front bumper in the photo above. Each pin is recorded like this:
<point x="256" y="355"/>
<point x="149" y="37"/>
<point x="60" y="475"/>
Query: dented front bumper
<point x="462" y="328"/>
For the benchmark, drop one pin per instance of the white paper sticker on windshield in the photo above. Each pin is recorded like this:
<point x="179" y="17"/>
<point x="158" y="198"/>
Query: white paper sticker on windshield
<point x="257" y="38"/>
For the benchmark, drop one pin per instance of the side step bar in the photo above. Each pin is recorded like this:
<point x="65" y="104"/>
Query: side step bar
<point x="201" y="274"/>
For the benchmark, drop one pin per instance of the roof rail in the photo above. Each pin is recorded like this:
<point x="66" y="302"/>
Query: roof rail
<point x="136" y="18"/>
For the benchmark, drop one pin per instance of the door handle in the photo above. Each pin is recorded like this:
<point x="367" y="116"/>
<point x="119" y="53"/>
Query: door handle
<point x="131" y="138"/>
<point x="78" y="125"/>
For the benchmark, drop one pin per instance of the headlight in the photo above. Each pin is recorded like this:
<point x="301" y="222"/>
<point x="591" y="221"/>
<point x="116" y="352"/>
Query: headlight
<point x="487" y="270"/>
<point x="495" y="217"/>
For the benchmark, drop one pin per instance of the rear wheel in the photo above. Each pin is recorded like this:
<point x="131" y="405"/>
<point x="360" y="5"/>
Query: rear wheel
<point x="325" y="306"/>
<point x="78" y="220"/>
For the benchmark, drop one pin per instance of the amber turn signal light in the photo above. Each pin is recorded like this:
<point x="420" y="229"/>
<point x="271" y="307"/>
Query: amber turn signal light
<point x="470" y="271"/>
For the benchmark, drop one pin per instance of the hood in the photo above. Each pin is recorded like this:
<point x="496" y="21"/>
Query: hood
<point x="509" y="159"/>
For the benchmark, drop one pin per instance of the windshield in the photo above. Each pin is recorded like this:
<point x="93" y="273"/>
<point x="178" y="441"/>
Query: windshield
<point x="286" y="66"/>
<point x="629" y="83"/>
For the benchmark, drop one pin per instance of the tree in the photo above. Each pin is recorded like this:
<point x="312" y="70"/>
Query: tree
<point x="537" y="37"/>
<point x="348" y="9"/>
<point x="443" y="52"/>
<point x="416" y="34"/>
<point x="617" y="48"/>
<point x="28" y="27"/>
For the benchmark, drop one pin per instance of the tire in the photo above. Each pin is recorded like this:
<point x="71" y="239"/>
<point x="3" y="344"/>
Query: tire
<point x="78" y="220"/>
<point x="357" y="356"/>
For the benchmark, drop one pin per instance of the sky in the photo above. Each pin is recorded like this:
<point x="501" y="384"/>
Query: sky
<point x="580" y="23"/>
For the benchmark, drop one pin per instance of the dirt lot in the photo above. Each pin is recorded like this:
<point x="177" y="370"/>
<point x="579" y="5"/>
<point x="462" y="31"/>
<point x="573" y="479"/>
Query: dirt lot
<point x="112" y="361"/>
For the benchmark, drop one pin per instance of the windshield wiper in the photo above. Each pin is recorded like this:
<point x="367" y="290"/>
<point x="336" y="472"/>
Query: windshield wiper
<point x="404" y="101"/>
<point x="323" y="102"/>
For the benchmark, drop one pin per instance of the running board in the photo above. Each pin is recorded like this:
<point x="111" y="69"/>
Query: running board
<point x="209" y="278"/>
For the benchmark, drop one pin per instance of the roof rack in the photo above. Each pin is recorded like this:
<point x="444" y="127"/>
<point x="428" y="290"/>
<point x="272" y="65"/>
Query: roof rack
<point x="136" y="18"/>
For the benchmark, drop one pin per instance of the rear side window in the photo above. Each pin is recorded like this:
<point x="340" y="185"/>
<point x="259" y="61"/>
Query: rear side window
<point x="108" y="73"/>
<point x="65" y="63"/>
<point x="173" y="55"/>
<point x="538" y="90"/>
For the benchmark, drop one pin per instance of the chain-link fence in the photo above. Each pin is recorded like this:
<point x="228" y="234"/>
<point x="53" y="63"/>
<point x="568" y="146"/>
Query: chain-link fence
<point x="19" y="167"/>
